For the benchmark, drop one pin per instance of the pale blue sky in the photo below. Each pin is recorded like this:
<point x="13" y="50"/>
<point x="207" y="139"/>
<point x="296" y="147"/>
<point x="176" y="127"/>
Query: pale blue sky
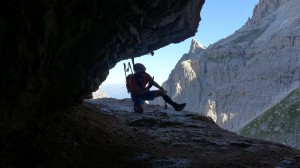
<point x="220" y="18"/>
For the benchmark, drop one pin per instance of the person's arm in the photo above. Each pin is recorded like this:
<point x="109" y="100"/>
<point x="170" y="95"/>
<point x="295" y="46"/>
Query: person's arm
<point x="157" y="85"/>
<point x="153" y="83"/>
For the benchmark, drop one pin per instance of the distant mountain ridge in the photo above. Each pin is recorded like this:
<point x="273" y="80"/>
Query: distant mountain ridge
<point x="115" y="90"/>
<point x="239" y="77"/>
<point x="100" y="93"/>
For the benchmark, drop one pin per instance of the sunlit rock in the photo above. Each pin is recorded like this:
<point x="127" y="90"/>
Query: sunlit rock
<point x="245" y="73"/>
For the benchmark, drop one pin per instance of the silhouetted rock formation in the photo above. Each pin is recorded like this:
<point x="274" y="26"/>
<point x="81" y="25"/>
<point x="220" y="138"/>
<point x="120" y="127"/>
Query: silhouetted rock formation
<point x="55" y="53"/>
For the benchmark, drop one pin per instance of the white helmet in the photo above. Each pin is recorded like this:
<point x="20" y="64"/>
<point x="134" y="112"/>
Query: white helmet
<point x="138" y="67"/>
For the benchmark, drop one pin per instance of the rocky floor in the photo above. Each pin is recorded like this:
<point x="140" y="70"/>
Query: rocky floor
<point x="107" y="133"/>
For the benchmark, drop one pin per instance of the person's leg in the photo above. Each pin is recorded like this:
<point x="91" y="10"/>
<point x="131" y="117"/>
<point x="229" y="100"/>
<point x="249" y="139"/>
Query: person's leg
<point x="158" y="93"/>
<point x="138" y="104"/>
<point x="161" y="93"/>
<point x="139" y="108"/>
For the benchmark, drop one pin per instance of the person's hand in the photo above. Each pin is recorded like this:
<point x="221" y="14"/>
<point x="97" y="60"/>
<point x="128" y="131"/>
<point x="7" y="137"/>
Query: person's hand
<point x="150" y="84"/>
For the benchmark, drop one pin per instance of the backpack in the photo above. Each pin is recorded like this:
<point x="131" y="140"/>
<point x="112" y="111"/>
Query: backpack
<point x="130" y="83"/>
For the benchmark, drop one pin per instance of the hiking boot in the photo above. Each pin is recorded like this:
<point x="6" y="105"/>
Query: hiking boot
<point x="179" y="107"/>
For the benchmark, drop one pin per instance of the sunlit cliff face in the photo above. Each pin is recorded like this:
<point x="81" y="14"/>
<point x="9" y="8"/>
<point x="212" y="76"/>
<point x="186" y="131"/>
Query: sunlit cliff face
<point x="55" y="53"/>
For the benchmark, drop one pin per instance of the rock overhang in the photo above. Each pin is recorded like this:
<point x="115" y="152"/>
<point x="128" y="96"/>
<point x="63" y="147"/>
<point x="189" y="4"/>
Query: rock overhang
<point x="53" y="54"/>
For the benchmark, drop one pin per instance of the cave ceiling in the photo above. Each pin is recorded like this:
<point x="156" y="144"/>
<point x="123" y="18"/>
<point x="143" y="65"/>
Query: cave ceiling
<point x="55" y="53"/>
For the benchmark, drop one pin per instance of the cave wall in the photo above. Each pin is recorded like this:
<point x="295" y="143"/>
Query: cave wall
<point x="55" y="53"/>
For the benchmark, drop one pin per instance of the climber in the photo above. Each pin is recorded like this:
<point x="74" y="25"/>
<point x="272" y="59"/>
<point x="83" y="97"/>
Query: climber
<point x="136" y="86"/>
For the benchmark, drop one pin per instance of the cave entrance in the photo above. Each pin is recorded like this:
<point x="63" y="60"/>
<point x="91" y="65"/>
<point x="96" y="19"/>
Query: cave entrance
<point x="159" y="65"/>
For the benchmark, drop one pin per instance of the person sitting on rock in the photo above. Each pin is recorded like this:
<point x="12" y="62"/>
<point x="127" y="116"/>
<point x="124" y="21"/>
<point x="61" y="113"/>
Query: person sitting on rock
<point x="136" y="85"/>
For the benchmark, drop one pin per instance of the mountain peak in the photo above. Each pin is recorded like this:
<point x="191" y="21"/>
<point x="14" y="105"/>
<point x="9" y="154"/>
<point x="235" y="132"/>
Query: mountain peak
<point x="195" y="45"/>
<point x="240" y="68"/>
<point x="263" y="9"/>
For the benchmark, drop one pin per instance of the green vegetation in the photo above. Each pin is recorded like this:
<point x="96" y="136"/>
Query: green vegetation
<point x="250" y="36"/>
<point x="278" y="123"/>
<point x="244" y="37"/>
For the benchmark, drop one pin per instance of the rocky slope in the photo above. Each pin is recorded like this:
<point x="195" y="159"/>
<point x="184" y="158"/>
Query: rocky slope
<point x="281" y="123"/>
<point x="239" y="77"/>
<point x="107" y="133"/>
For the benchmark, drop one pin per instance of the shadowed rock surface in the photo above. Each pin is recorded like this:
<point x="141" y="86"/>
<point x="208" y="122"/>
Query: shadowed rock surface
<point x="107" y="133"/>
<point x="55" y="53"/>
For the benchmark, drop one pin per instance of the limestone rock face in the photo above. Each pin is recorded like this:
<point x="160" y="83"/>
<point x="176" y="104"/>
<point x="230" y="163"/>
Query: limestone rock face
<point x="239" y="77"/>
<point x="55" y="53"/>
<point x="99" y="94"/>
<point x="264" y="8"/>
